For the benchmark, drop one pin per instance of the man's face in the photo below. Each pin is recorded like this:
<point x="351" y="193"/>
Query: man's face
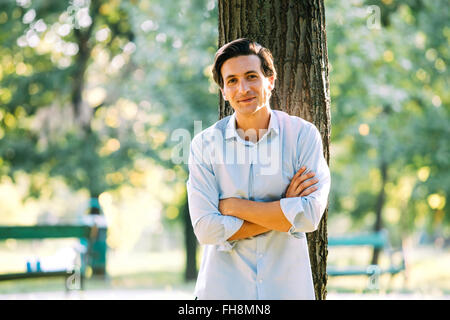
<point x="244" y="85"/>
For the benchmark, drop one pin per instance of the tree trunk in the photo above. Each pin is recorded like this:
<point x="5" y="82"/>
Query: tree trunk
<point x="80" y="66"/>
<point x="381" y="199"/>
<point x="98" y="247"/>
<point x="294" y="31"/>
<point x="190" y="242"/>
<point x="379" y="207"/>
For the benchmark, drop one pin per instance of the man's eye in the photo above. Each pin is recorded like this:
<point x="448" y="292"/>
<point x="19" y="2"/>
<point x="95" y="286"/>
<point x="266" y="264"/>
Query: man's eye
<point x="231" y="81"/>
<point x="252" y="76"/>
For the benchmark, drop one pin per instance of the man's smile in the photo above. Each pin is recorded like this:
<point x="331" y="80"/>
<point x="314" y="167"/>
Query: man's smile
<point x="246" y="100"/>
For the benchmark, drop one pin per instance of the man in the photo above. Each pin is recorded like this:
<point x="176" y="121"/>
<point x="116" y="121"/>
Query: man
<point x="252" y="212"/>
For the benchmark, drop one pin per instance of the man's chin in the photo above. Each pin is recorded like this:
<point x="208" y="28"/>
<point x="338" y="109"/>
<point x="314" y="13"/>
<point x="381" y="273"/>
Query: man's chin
<point x="247" y="110"/>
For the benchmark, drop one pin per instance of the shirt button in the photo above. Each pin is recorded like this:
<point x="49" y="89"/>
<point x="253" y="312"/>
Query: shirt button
<point x="260" y="280"/>
<point x="261" y="255"/>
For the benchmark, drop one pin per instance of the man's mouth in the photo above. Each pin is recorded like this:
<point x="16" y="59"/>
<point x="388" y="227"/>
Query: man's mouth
<point x="246" y="100"/>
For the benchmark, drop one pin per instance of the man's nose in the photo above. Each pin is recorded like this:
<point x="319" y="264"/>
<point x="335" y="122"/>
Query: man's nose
<point x="243" y="86"/>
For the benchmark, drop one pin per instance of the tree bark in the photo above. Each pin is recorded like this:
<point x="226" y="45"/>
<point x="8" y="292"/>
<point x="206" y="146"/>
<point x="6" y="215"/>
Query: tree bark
<point x="98" y="262"/>
<point x="80" y="66"/>
<point x="294" y="31"/>
<point x="190" y="242"/>
<point x="379" y="207"/>
<point x="381" y="199"/>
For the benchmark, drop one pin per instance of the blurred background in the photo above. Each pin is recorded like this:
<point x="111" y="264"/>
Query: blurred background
<point x="92" y="92"/>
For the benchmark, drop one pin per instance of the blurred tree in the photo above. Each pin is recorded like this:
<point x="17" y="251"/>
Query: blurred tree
<point x="175" y="46"/>
<point x="88" y="92"/>
<point x="46" y="49"/>
<point x="295" y="34"/>
<point x="47" y="105"/>
<point x="390" y="113"/>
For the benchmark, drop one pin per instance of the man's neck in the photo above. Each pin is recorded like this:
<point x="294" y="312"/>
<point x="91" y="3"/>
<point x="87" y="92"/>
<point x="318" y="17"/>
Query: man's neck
<point x="253" y="126"/>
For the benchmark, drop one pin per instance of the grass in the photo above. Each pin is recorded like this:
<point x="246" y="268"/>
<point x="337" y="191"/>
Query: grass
<point x="428" y="271"/>
<point x="126" y="270"/>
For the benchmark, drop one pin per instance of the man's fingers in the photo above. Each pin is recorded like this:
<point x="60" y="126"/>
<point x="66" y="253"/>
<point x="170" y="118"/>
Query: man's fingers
<point x="300" y="182"/>
<point x="302" y="186"/>
<point x="306" y="176"/>
<point x="308" y="191"/>
<point x="299" y="172"/>
<point x="296" y="183"/>
<point x="309" y="182"/>
<point x="299" y="177"/>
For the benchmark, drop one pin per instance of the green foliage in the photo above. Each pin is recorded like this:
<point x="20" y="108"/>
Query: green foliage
<point x="140" y="71"/>
<point x="45" y="49"/>
<point x="389" y="89"/>
<point x="175" y="45"/>
<point x="87" y="100"/>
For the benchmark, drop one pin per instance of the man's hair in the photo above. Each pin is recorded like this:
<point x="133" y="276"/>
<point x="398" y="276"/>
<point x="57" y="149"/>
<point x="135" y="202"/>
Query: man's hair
<point x="242" y="47"/>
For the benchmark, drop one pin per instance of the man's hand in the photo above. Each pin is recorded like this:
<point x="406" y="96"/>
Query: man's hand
<point x="300" y="185"/>
<point x="227" y="206"/>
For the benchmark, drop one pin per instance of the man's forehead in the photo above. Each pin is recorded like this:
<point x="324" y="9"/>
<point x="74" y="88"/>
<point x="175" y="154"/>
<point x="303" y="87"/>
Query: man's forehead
<point x="241" y="65"/>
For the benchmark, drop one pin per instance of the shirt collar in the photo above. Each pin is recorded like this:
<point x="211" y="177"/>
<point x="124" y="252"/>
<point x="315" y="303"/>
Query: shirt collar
<point x="230" y="130"/>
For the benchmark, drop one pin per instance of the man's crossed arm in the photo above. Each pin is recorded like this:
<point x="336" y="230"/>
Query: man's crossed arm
<point x="260" y="217"/>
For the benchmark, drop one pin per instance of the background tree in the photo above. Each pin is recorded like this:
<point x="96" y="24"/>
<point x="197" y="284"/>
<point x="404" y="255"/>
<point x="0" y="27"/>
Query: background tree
<point x="47" y="118"/>
<point x="295" y="33"/>
<point x="175" y="42"/>
<point x="69" y="101"/>
<point x="47" y="107"/>
<point x="390" y="116"/>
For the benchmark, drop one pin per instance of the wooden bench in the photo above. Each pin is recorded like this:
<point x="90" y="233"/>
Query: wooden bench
<point x="378" y="240"/>
<point x="92" y="238"/>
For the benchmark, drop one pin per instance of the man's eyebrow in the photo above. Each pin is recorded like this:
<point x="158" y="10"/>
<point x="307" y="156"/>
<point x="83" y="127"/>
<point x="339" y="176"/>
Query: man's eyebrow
<point x="232" y="75"/>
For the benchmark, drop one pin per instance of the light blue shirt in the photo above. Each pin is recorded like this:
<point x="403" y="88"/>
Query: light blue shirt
<point x="272" y="265"/>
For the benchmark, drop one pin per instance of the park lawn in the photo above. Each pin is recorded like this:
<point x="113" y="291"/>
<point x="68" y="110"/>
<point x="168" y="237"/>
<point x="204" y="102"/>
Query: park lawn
<point x="427" y="272"/>
<point x="128" y="270"/>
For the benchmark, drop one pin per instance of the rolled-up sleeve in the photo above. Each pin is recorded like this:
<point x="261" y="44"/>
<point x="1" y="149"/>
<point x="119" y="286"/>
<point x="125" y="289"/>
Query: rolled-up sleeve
<point x="305" y="213"/>
<point x="210" y="226"/>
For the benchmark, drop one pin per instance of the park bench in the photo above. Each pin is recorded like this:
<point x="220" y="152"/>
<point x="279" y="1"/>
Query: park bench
<point x="92" y="250"/>
<point x="378" y="240"/>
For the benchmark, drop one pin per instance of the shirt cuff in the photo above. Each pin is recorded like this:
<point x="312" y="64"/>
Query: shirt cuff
<point x="292" y="208"/>
<point x="230" y="226"/>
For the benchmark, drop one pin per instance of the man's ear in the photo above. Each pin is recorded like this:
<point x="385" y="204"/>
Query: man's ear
<point x="271" y="82"/>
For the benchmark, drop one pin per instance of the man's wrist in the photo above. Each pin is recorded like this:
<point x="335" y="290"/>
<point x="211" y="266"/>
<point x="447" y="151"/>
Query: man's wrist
<point x="235" y="207"/>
